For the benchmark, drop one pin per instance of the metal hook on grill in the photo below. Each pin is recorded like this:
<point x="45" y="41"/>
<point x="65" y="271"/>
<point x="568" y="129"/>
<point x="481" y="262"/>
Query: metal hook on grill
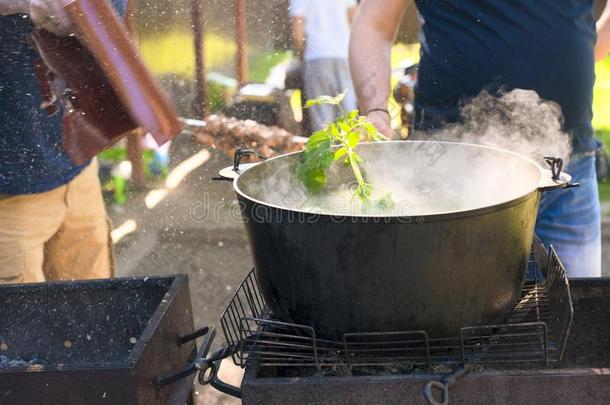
<point x="195" y="365"/>
<point x="208" y="372"/>
<point x="443" y="386"/>
<point x="208" y="367"/>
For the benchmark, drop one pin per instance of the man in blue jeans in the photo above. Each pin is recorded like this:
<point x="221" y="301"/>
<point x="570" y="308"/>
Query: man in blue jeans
<point x="468" y="46"/>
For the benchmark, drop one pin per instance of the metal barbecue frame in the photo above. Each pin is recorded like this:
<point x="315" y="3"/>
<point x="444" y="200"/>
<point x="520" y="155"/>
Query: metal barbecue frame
<point x="535" y="332"/>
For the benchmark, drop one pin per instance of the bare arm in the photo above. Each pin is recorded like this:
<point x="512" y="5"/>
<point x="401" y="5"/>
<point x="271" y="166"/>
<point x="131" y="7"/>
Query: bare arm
<point x="373" y="32"/>
<point x="47" y="14"/>
<point x="602" y="47"/>
<point x="298" y="32"/>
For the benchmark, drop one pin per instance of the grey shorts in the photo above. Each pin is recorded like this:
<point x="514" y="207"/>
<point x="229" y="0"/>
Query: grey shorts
<point x="327" y="77"/>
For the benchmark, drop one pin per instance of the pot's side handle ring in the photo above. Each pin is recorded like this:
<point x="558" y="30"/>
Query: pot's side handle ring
<point x="232" y="172"/>
<point x="556" y="165"/>
<point x="240" y="153"/>
<point x="554" y="178"/>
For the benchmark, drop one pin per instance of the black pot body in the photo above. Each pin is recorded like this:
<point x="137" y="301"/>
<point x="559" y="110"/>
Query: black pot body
<point x="356" y="274"/>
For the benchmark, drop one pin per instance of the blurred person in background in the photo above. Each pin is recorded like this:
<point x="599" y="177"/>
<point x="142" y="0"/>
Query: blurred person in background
<point x="467" y="46"/>
<point x="53" y="223"/>
<point x="321" y="30"/>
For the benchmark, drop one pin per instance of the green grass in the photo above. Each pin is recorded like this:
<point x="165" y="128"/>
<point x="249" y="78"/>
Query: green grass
<point x="117" y="154"/>
<point x="173" y="53"/>
<point x="261" y="63"/>
<point x="604" y="191"/>
<point x="601" y="100"/>
<point x="601" y="114"/>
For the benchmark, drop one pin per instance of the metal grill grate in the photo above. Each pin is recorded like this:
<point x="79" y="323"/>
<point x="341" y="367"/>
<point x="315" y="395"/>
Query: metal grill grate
<point x="535" y="332"/>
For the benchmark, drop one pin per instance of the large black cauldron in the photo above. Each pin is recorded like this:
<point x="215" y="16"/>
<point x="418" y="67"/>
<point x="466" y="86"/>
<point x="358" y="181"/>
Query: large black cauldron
<point x="453" y="253"/>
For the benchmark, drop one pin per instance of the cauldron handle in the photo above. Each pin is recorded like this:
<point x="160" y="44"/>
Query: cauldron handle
<point x="231" y="173"/>
<point x="554" y="178"/>
<point x="556" y="165"/>
<point x="240" y="153"/>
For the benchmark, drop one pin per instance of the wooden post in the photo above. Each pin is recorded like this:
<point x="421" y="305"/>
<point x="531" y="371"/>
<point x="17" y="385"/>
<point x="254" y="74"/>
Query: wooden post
<point x="241" y="62"/>
<point x="130" y="18"/>
<point x="135" y="151"/>
<point x="200" y="102"/>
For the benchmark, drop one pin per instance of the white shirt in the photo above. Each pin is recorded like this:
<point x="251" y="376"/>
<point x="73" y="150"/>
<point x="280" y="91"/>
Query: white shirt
<point x="327" y="27"/>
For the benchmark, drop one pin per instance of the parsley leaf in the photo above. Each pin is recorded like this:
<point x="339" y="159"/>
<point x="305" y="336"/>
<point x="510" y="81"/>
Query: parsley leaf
<point x="338" y="140"/>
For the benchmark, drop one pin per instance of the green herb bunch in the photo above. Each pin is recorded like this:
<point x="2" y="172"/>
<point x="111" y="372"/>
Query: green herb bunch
<point x="338" y="141"/>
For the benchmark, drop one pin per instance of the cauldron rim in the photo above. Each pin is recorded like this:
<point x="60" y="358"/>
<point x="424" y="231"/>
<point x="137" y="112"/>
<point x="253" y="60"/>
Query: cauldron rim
<point x="438" y="216"/>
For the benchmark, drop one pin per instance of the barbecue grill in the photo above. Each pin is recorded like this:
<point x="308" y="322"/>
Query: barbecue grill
<point x="132" y="341"/>
<point x="582" y="377"/>
<point x="527" y="360"/>
<point x="118" y="341"/>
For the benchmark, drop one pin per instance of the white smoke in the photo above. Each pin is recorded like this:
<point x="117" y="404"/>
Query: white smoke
<point x="519" y="121"/>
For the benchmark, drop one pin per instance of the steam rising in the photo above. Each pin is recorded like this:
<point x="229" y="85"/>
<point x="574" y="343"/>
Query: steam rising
<point x="427" y="178"/>
<point x="424" y="178"/>
<point x="519" y="121"/>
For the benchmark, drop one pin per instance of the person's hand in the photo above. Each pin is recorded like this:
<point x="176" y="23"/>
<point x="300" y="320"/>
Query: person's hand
<point x="381" y="121"/>
<point x="50" y="15"/>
